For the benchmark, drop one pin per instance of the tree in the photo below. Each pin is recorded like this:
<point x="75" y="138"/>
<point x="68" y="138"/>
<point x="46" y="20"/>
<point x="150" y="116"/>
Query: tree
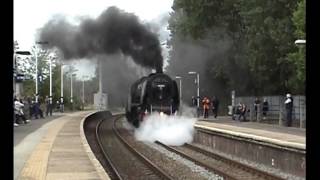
<point x="27" y="66"/>
<point x="269" y="33"/>
<point x="260" y="34"/>
<point x="214" y="31"/>
<point x="298" y="57"/>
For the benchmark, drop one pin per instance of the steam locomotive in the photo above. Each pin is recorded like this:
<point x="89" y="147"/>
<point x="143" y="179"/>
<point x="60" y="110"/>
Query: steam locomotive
<point x="156" y="92"/>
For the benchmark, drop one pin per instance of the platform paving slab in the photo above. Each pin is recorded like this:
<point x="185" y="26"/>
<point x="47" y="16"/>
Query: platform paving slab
<point x="290" y="136"/>
<point x="61" y="154"/>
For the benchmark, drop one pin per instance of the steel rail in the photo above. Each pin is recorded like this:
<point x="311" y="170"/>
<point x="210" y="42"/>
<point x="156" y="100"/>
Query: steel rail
<point x="151" y="165"/>
<point x="219" y="172"/>
<point x="106" y="156"/>
<point x="233" y="163"/>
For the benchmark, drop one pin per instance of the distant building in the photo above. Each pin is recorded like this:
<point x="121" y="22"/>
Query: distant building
<point x="101" y="101"/>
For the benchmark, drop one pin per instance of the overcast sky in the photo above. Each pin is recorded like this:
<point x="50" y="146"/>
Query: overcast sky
<point x="31" y="15"/>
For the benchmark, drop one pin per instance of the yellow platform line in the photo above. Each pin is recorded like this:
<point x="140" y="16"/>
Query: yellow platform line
<point x="36" y="166"/>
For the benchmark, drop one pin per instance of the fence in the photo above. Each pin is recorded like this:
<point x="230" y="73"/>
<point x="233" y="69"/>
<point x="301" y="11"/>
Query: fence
<point x="276" y="113"/>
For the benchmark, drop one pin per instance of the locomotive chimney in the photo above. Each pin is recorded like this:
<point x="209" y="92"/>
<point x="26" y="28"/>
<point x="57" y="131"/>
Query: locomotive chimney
<point x="159" y="70"/>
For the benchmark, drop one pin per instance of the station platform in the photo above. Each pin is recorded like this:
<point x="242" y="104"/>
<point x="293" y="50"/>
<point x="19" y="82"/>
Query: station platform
<point x="272" y="148"/>
<point x="279" y="135"/>
<point x="62" y="152"/>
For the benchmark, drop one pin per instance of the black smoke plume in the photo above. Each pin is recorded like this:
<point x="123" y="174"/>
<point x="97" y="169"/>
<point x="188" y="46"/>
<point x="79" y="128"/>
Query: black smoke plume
<point x="114" y="31"/>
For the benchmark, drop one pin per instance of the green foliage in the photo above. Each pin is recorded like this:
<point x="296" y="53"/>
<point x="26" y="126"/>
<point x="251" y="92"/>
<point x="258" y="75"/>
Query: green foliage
<point x="28" y="67"/>
<point x="269" y="32"/>
<point x="299" y="20"/>
<point x="44" y="88"/>
<point x="298" y="57"/>
<point x="28" y="88"/>
<point x="262" y="35"/>
<point x="198" y="16"/>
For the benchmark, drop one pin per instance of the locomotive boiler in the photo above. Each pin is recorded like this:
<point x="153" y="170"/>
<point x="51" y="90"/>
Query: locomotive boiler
<point x="154" y="93"/>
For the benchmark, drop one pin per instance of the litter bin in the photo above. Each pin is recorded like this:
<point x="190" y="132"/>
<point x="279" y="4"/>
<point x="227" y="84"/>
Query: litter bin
<point x="230" y="110"/>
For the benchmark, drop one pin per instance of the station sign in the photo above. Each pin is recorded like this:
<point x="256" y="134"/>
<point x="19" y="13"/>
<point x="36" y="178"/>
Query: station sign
<point x="19" y="77"/>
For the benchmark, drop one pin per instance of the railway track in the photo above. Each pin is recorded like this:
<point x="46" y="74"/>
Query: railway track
<point x="124" y="158"/>
<point x="125" y="161"/>
<point x="227" y="168"/>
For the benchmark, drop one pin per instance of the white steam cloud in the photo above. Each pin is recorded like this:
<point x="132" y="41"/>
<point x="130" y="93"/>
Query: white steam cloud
<point x="170" y="130"/>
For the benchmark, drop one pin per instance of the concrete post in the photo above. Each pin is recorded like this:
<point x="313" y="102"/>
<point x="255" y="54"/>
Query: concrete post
<point x="36" y="54"/>
<point x="280" y="113"/>
<point x="300" y="113"/>
<point x="82" y="94"/>
<point x="50" y="93"/>
<point x="198" y="89"/>
<point x="61" y="98"/>
<point x="180" y="90"/>
<point x="233" y="96"/>
<point x="71" y="98"/>
<point x="258" y="113"/>
<point x="251" y="112"/>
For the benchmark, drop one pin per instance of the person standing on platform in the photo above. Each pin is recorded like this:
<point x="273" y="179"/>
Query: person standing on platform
<point x="30" y="106"/>
<point x="193" y="101"/>
<point x="243" y="109"/>
<point x="58" y="106"/>
<point x="265" y="108"/>
<point x="18" y="109"/>
<point x="37" y="109"/>
<point x="289" y="107"/>
<point x="206" y="106"/>
<point x="215" y="106"/>
<point x="236" y="112"/>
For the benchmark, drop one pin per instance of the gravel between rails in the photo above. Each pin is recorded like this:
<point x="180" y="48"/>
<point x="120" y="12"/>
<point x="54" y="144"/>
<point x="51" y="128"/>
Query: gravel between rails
<point x="173" y="164"/>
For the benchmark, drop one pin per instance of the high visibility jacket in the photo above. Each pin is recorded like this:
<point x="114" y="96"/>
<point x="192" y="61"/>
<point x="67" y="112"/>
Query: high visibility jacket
<point x="206" y="103"/>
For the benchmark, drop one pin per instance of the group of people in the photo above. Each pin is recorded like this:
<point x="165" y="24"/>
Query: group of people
<point x="34" y="108"/>
<point x="208" y="104"/>
<point x="240" y="110"/>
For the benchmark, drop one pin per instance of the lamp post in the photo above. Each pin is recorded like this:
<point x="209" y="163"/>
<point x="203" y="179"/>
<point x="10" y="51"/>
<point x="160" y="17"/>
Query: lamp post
<point x="198" y="87"/>
<point x="198" y="91"/>
<point x="50" y="93"/>
<point x="83" y="77"/>
<point x="300" y="42"/>
<point x="36" y="73"/>
<point x="180" y="87"/>
<point x="100" y="86"/>
<point x="71" y="98"/>
<point x="71" y="71"/>
<point x="61" y="91"/>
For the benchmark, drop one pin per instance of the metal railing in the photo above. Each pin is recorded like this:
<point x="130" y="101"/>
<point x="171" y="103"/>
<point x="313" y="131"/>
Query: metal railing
<point x="276" y="112"/>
